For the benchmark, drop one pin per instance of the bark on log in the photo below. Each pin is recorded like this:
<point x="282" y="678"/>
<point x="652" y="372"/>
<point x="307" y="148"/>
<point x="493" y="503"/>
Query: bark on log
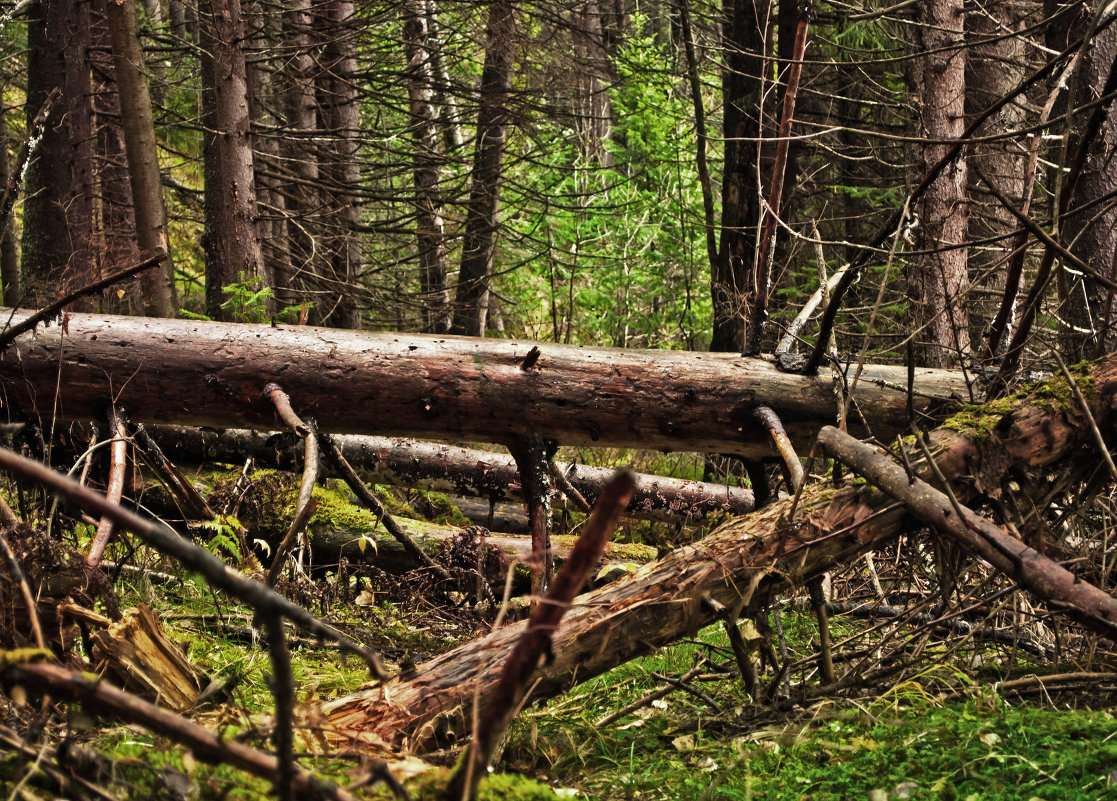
<point x="209" y="374"/>
<point x="738" y="565"/>
<point x="447" y="468"/>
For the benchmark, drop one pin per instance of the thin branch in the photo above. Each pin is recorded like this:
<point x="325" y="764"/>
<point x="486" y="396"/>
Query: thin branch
<point x="118" y="466"/>
<point x="167" y="541"/>
<point x="51" y="311"/>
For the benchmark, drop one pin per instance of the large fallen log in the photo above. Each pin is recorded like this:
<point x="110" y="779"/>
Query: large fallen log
<point x="447" y="468"/>
<point x="738" y="566"/>
<point x="211" y="374"/>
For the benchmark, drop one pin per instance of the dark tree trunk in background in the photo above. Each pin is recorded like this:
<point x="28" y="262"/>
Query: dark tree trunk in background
<point x="1087" y="308"/>
<point x="591" y="59"/>
<point x="231" y="241"/>
<point x="471" y="307"/>
<point x="300" y="153"/>
<point x="941" y="280"/>
<point x="731" y="274"/>
<point x="992" y="70"/>
<point x="430" y="229"/>
<point x="9" y="253"/>
<point x="338" y="301"/>
<point x="138" y="127"/>
<point x="58" y="211"/>
<point x="116" y="226"/>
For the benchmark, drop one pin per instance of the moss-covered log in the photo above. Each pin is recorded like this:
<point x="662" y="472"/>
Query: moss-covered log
<point x="739" y="565"/>
<point x="209" y="374"/>
<point x="446" y="468"/>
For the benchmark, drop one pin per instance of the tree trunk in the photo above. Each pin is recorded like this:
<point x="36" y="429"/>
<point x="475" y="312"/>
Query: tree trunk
<point x="9" y="255"/>
<point x="740" y="565"/>
<point x="338" y="301"/>
<point x="941" y="281"/>
<point x="57" y="214"/>
<point x="142" y="154"/>
<point x="429" y="230"/>
<point x="231" y="240"/>
<point x="303" y="188"/>
<point x="446" y="468"/>
<point x="742" y="77"/>
<point x="1088" y="310"/>
<point x="472" y="301"/>
<point x="415" y="385"/>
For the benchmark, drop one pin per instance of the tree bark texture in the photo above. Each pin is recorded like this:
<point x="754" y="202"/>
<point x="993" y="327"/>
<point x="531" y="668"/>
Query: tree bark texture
<point x="471" y="308"/>
<point x="231" y="241"/>
<point x="732" y="273"/>
<point x="942" y="280"/>
<point x="740" y="565"/>
<point x="142" y="154"/>
<point x="1088" y="309"/>
<point x="190" y="373"/>
<point x="337" y="301"/>
<point x="447" y="468"/>
<point x="57" y="212"/>
<point x="9" y="255"/>
<point x="429" y="226"/>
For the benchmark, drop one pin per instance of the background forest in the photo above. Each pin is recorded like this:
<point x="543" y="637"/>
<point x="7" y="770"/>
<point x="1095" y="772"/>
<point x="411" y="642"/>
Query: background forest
<point x="588" y="172"/>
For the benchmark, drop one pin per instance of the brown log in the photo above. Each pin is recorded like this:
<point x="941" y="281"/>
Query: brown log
<point x="210" y="374"/>
<point x="446" y="468"/>
<point x="737" y="566"/>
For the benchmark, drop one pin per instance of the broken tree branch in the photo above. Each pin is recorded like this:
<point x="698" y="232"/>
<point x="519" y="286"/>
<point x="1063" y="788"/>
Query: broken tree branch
<point x="1095" y="609"/>
<point x="167" y="541"/>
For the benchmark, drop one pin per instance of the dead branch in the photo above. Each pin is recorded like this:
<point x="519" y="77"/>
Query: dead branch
<point x="118" y="465"/>
<point x="165" y="540"/>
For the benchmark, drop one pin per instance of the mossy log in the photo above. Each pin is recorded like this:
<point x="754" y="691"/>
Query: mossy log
<point x="446" y="468"/>
<point x="458" y="388"/>
<point x="739" y="566"/>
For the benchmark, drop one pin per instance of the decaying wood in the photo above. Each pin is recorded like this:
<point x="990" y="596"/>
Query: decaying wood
<point x="138" y="652"/>
<point x="90" y="689"/>
<point x="165" y="540"/>
<point x="357" y="382"/>
<point x="1061" y="589"/>
<point x="491" y="720"/>
<point x="739" y="565"/>
<point x="447" y="468"/>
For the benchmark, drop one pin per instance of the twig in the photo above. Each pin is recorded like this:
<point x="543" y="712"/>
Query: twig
<point x="283" y="689"/>
<point x="91" y="689"/>
<point x="165" y="540"/>
<point x="118" y="464"/>
<point x="24" y="588"/>
<point x="373" y="504"/>
<point x="767" y="255"/>
<point x="825" y="654"/>
<point x="522" y="663"/>
<point x="642" y="702"/>
<point x="771" y="422"/>
<point x="304" y="505"/>
<point x="11" y="332"/>
<point x="277" y="396"/>
<point x="174" y="479"/>
<point x="566" y="487"/>
<point x="19" y="168"/>
<point x="682" y="685"/>
<point x="1098" y="438"/>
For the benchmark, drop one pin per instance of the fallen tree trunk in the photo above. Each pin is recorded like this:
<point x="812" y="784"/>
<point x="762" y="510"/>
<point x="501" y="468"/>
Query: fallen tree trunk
<point x="738" y="567"/>
<point x="446" y="468"/>
<point x="354" y="382"/>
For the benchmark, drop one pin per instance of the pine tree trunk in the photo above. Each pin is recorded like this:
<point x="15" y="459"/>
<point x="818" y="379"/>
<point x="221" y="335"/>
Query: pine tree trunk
<point x="142" y="154"/>
<point x="231" y="241"/>
<point x="471" y="307"/>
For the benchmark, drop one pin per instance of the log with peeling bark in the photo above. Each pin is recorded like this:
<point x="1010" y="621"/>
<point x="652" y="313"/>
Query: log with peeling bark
<point x="737" y="567"/>
<point x="447" y="468"/>
<point x="354" y="382"/>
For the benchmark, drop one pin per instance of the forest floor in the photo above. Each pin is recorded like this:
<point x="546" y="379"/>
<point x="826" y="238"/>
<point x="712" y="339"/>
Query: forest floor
<point x="945" y="729"/>
<point x="922" y="739"/>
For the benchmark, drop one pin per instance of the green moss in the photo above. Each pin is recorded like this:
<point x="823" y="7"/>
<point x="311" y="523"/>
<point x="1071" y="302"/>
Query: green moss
<point x="510" y="787"/>
<point x="978" y="421"/>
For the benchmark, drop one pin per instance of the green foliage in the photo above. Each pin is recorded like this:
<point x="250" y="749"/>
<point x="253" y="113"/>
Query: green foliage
<point x="225" y="538"/>
<point x="248" y="301"/>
